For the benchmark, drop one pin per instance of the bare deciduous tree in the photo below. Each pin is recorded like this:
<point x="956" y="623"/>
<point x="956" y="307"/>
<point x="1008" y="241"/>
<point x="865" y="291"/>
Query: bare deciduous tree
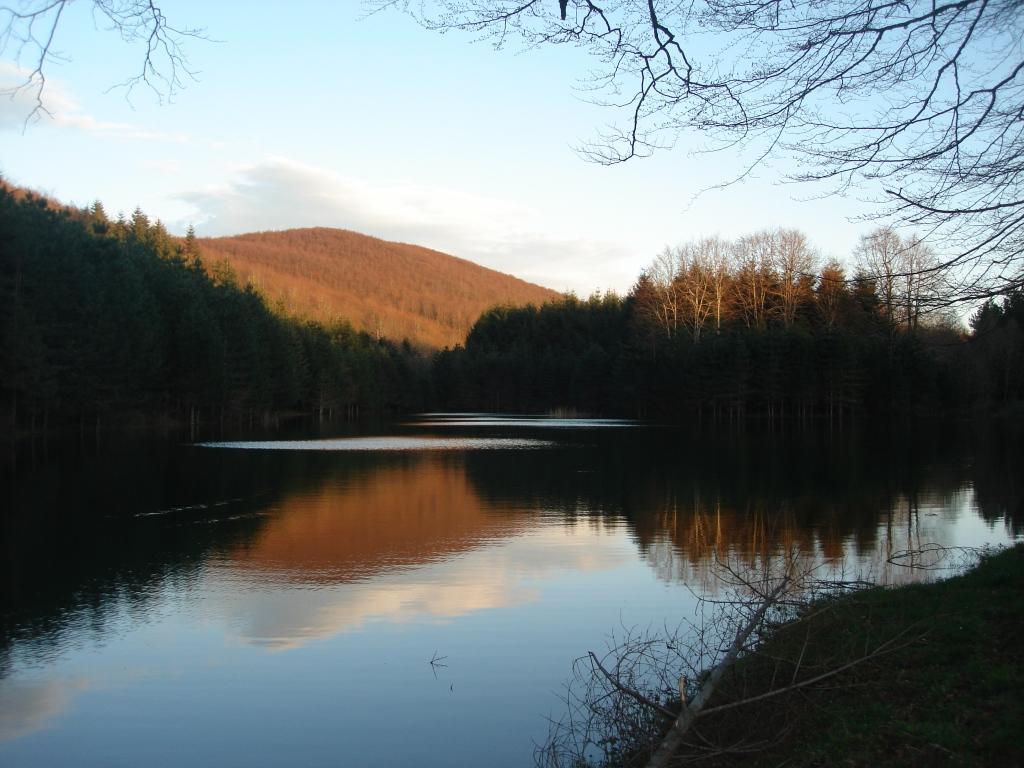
<point x="880" y="257"/>
<point x="752" y="256"/>
<point x="715" y="255"/>
<point x="921" y="287"/>
<point x="830" y="292"/>
<point x="794" y="262"/>
<point x="904" y="273"/>
<point x="694" y="285"/>
<point x="662" y="301"/>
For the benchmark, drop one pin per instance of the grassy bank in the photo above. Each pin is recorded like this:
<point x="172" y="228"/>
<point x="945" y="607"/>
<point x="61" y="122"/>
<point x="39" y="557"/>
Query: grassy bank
<point x="931" y="675"/>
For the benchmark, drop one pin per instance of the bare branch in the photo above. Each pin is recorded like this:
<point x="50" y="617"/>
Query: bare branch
<point x="28" y="33"/>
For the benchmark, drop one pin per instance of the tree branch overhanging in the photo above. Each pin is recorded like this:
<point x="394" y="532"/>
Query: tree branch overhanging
<point x="29" y="32"/>
<point x="924" y="97"/>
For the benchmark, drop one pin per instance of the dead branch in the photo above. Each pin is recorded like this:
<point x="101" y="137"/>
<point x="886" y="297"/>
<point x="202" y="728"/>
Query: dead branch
<point x="881" y="650"/>
<point x="670" y="743"/>
<point x="629" y="691"/>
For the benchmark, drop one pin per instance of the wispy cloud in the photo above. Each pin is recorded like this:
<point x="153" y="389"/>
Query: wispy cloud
<point x="17" y="105"/>
<point x="278" y="193"/>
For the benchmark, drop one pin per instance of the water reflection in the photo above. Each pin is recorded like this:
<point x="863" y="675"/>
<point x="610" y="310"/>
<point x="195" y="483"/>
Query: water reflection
<point x="27" y="705"/>
<point x="467" y="420"/>
<point x="353" y="527"/>
<point x="251" y="582"/>
<point x="388" y="443"/>
<point x="502" y="575"/>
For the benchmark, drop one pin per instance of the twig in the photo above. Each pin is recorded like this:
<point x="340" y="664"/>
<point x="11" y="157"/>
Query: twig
<point x="881" y="650"/>
<point x="629" y="691"/>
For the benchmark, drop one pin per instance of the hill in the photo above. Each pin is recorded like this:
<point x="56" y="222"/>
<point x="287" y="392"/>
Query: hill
<point x="392" y="290"/>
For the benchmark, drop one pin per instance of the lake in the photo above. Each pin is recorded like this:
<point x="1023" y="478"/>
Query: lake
<point x="414" y="593"/>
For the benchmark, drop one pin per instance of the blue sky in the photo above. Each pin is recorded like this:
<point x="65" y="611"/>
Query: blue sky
<point x="306" y="114"/>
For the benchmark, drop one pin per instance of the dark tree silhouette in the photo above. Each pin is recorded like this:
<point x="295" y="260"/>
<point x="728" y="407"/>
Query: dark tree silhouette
<point x="922" y="102"/>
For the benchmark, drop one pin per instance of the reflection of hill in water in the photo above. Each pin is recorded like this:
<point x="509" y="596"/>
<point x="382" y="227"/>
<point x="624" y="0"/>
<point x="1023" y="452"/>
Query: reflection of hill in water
<point x="402" y="513"/>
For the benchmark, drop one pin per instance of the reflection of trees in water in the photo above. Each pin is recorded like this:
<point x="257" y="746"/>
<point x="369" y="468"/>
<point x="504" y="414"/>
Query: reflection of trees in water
<point x="859" y="497"/>
<point x="81" y="541"/>
<point x="998" y="482"/>
<point x="683" y="542"/>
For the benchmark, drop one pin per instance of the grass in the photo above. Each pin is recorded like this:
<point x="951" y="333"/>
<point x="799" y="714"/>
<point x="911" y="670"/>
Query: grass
<point x="947" y="689"/>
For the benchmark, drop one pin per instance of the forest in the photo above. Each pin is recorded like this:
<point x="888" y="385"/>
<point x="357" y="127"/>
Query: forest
<point x="728" y="331"/>
<point x="114" y="321"/>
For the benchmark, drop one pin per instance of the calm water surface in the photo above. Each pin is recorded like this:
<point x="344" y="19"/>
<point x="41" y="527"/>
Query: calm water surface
<point x="278" y="602"/>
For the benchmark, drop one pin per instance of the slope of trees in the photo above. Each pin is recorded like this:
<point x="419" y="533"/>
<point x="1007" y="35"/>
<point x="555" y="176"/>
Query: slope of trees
<point x="394" y="290"/>
<point x="106" y="317"/>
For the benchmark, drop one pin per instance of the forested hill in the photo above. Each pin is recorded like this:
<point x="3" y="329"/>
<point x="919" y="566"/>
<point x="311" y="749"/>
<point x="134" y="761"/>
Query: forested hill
<point x="390" y="290"/>
<point x="108" y="320"/>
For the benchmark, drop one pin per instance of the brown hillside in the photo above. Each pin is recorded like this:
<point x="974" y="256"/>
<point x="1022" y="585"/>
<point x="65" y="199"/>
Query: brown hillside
<point x="390" y="289"/>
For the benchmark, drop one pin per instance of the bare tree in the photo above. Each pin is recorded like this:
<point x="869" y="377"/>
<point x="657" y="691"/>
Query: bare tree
<point x="905" y="276"/>
<point x="921" y="287"/>
<point x="880" y="258"/>
<point x="831" y="289"/>
<point x="752" y="257"/>
<point x="695" y="287"/>
<point x="661" y="302"/>
<point x="794" y="262"/>
<point x="715" y="255"/>
<point x="29" y="32"/>
<point x="919" y="102"/>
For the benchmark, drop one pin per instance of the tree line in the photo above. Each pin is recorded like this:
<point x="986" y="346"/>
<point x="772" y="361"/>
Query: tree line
<point x="757" y="327"/>
<point x="111" y="318"/>
<point x="105" y="319"/>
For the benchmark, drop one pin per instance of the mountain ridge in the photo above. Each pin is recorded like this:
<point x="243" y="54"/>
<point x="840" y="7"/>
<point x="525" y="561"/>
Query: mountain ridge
<point x="389" y="289"/>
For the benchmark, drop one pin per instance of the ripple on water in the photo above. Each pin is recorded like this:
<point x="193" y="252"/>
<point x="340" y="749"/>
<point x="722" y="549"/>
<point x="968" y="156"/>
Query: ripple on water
<point x="390" y="443"/>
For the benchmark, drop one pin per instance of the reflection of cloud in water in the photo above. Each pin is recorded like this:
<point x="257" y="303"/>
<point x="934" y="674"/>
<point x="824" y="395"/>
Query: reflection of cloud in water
<point x="283" y="617"/>
<point x="289" y="618"/>
<point x="391" y="443"/>
<point x="27" y="705"/>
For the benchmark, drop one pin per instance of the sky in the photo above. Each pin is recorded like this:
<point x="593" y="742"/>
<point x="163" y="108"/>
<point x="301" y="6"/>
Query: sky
<point x="310" y="114"/>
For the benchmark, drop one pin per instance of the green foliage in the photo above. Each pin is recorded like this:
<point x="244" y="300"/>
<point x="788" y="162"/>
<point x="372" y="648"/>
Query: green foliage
<point x="949" y="697"/>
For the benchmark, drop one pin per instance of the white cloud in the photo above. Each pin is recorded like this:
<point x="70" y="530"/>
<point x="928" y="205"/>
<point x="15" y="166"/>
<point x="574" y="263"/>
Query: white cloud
<point x="18" y="102"/>
<point x="511" y="237"/>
